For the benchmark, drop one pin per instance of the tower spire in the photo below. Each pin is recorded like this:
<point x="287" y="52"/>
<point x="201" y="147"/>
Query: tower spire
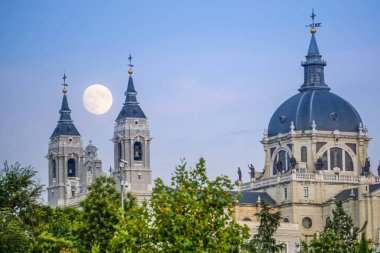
<point x="65" y="123"/>
<point x="131" y="108"/>
<point x="314" y="65"/>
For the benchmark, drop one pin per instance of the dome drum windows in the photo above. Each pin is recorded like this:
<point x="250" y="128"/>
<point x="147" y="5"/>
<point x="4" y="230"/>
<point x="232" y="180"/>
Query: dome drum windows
<point x="281" y="163"/>
<point x="304" y="154"/>
<point x="336" y="158"/>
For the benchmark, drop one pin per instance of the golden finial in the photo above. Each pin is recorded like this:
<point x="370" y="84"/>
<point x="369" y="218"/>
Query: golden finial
<point x="130" y="71"/>
<point x="64" y="90"/>
<point x="313" y="25"/>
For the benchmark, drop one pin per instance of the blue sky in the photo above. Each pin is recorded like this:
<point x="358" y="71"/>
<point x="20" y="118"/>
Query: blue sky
<point x="209" y="73"/>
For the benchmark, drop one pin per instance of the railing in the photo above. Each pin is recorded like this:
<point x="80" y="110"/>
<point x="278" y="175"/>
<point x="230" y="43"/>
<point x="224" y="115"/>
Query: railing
<point x="307" y="177"/>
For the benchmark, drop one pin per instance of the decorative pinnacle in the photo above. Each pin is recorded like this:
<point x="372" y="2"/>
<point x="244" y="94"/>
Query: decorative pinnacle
<point x="130" y="71"/>
<point x="64" y="83"/>
<point x="313" y="25"/>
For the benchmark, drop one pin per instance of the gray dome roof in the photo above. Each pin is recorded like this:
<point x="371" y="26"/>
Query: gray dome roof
<point x="314" y="102"/>
<point x="329" y="111"/>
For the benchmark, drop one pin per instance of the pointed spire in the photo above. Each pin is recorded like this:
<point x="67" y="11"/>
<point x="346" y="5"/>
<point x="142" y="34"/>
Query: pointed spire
<point x="314" y="65"/>
<point x="65" y="124"/>
<point x="131" y="108"/>
<point x="313" y="47"/>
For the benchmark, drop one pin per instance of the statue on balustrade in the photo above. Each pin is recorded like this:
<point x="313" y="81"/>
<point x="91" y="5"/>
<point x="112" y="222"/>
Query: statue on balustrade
<point x="319" y="165"/>
<point x="366" y="168"/>
<point x="252" y="170"/>
<point x="293" y="162"/>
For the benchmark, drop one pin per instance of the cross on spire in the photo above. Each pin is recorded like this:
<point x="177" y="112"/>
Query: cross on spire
<point x="64" y="83"/>
<point x="313" y="25"/>
<point x="130" y="71"/>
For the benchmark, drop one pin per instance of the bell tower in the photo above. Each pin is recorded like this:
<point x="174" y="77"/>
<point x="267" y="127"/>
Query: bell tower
<point x="132" y="146"/>
<point x="65" y="159"/>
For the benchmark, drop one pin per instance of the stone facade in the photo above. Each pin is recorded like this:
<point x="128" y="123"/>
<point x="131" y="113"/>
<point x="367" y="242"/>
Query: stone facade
<point x="315" y="154"/>
<point x="71" y="168"/>
<point x="132" y="157"/>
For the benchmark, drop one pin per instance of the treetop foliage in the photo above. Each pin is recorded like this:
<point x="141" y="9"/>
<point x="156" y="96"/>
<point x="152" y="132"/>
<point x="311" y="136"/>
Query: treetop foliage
<point x="18" y="190"/>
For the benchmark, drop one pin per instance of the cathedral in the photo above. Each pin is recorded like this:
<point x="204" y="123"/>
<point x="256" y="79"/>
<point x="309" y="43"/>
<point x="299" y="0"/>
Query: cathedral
<point x="72" y="168"/>
<point x="315" y="155"/>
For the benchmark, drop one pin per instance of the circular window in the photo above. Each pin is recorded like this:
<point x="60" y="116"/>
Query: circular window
<point x="307" y="223"/>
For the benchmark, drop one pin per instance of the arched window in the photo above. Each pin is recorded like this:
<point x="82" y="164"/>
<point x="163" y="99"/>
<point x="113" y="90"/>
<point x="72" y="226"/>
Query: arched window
<point x="119" y="150"/>
<point x="247" y="219"/>
<point x="348" y="162"/>
<point x="137" y="151"/>
<point x="71" y="167"/>
<point x="304" y="154"/>
<point x="337" y="158"/>
<point x="286" y="220"/>
<point x="53" y="169"/>
<point x="282" y="162"/>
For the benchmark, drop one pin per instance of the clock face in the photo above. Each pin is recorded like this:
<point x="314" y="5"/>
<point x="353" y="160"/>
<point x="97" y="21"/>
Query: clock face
<point x="121" y="164"/>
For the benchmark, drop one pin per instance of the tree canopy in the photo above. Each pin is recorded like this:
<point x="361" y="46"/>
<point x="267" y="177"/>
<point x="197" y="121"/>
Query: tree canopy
<point x="192" y="214"/>
<point x="339" y="235"/>
<point x="264" y="241"/>
<point x="18" y="189"/>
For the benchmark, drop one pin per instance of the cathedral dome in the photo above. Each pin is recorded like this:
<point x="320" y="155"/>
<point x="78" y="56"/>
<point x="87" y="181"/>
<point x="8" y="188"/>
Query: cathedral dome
<point x="315" y="103"/>
<point x="329" y="112"/>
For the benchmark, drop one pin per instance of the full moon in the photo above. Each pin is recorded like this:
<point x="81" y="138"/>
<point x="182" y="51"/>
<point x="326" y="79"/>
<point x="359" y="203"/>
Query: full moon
<point x="97" y="99"/>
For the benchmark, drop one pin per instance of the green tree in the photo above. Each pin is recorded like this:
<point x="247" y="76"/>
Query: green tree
<point x="193" y="214"/>
<point x="339" y="235"/>
<point x="99" y="216"/>
<point x="263" y="241"/>
<point x="325" y="242"/>
<point x="364" y="244"/>
<point x="18" y="189"/>
<point x="343" y="226"/>
<point x="58" y="234"/>
<point x="134" y="233"/>
<point x="13" y="234"/>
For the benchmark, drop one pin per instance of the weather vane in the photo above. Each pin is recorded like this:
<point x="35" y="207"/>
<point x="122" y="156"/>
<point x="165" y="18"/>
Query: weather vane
<point x="313" y="25"/>
<point x="130" y="71"/>
<point x="64" y="83"/>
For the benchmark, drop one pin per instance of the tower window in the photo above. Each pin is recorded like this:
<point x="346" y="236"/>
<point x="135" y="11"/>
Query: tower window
<point x="304" y="154"/>
<point x="306" y="192"/>
<point x="71" y="167"/>
<point x="139" y="176"/>
<point x="137" y="151"/>
<point x="53" y="169"/>
<point x="120" y="150"/>
<point x="285" y="193"/>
